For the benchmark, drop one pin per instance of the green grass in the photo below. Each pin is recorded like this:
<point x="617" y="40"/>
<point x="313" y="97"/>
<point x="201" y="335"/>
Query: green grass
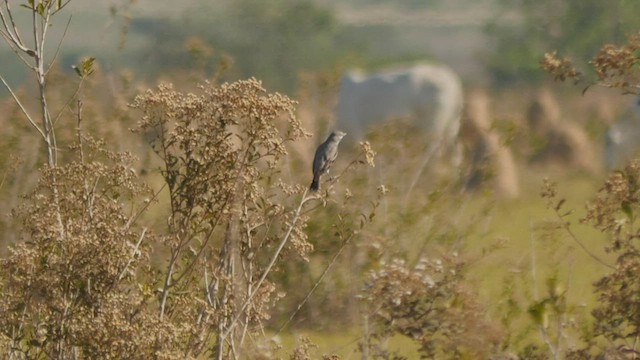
<point x="343" y="343"/>
<point x="528" y="256"/>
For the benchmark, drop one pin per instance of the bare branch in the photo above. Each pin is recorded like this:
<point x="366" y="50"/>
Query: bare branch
<point x="79" y="131"/>
<point x="133" y="254"/>
<point x="13" y="23"/>
<point x="12" y="32"/>
<point x="16" y="50"/>
<point x="36" y="40"/>
<point x="207" y="238"/>
<point x="54" y="141"/>
<point x="135" y="217"/>
<point x="575" y="238"/>
<point x="45" y="27"/>
<point x="317" y="283"/>
<point x="61" y="7"/>
<point x="167" y="282"/>
<point x="267" y="270"/>
<point x="55" y="119"/>
<point x="24" y="111"/>
<point x="55" y="55"/>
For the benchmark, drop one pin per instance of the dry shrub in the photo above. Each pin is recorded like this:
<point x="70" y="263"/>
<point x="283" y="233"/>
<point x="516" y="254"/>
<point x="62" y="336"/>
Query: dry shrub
<point x="83" y="283"/>
<point x="613" y="331"/>
<point x="616" y="325"/>
<point x="429" y="304"/>
<point x="231" y="213"/>
<point x="561" y="68"/>
<point x="614" y="212"/>
<point x="70" y="289"/>
<point x="616" y="66"/>
<point x="341" y="234"/>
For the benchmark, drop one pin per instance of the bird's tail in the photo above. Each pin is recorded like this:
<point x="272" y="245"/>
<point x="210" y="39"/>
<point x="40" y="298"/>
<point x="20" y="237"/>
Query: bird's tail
<point x="315" y="184"/>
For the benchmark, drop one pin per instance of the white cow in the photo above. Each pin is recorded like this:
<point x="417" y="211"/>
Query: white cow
<point x="622" y="140"/>
<point x="428" y="94"/>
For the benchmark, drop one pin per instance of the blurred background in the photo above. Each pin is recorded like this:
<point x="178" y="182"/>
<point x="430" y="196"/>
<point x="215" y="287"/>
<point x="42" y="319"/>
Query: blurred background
<point x="488" y="42"/>
<point x="490" y="210"/>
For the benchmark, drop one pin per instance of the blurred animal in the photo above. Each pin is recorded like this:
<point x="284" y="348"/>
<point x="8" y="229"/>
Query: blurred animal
<point x="429" y="95"/>
<point x="490" y="160"/>
<point x="621" y="143"/>
<point x="325" y="155"/>
<point x="554" y="138"/>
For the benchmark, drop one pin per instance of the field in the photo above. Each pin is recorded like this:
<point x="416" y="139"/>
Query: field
<point x="155" y="194"/>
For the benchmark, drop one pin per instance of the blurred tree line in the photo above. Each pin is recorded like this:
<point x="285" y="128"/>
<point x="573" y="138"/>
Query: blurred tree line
<point x="276" y="40"/>
<point x="576" y="28"/>
<point x="272" y="40"/>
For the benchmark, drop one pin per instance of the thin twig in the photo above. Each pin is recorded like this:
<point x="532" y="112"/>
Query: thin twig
<point x="55" y="55"/>
<point x="266" y="272"/>
<point x="566" y="227"/>
<point x="45" y="28"/>
<point x="133" y="254"/>
<point x="315" y="286"/>
<point x="62" y="6"/>
<point x="429" y="155"/>
<point x="15" y="35"/>
<point x="13" y="23"/>
<point x="135" y="217"/>
<point x="207" y="238"/>
<point x="4" y="178"/>
<point x="167" y="283"/>
<point x="16" y="50"/>
<point x="24" y="111"/>
<point x="79" y="130"/>
<point x="534" y="272"/>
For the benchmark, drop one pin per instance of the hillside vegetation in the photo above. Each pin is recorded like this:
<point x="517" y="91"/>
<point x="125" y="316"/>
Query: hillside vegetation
<point x="155" y="200"/>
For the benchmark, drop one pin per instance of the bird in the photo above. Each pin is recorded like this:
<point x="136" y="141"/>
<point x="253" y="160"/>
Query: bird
<point x="325" y="155"/>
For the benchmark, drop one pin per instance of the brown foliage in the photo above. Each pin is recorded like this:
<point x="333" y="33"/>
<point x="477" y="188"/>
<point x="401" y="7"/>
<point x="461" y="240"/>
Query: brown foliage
<point x="70" y="289"/>
<point x="229" y="215"/>
<point x="429" y="304"/>
<point x="561" y="68"/>
<point x="82" y="284"/>
<point x="614" y="212"/>
<point x="616" y="66"/>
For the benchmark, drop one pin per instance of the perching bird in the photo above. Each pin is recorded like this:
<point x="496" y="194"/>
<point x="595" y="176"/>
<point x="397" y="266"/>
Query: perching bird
<point x="325" y="156"/>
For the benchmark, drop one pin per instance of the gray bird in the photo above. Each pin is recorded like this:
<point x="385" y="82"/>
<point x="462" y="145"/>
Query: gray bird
<point x="326" y="154"/>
